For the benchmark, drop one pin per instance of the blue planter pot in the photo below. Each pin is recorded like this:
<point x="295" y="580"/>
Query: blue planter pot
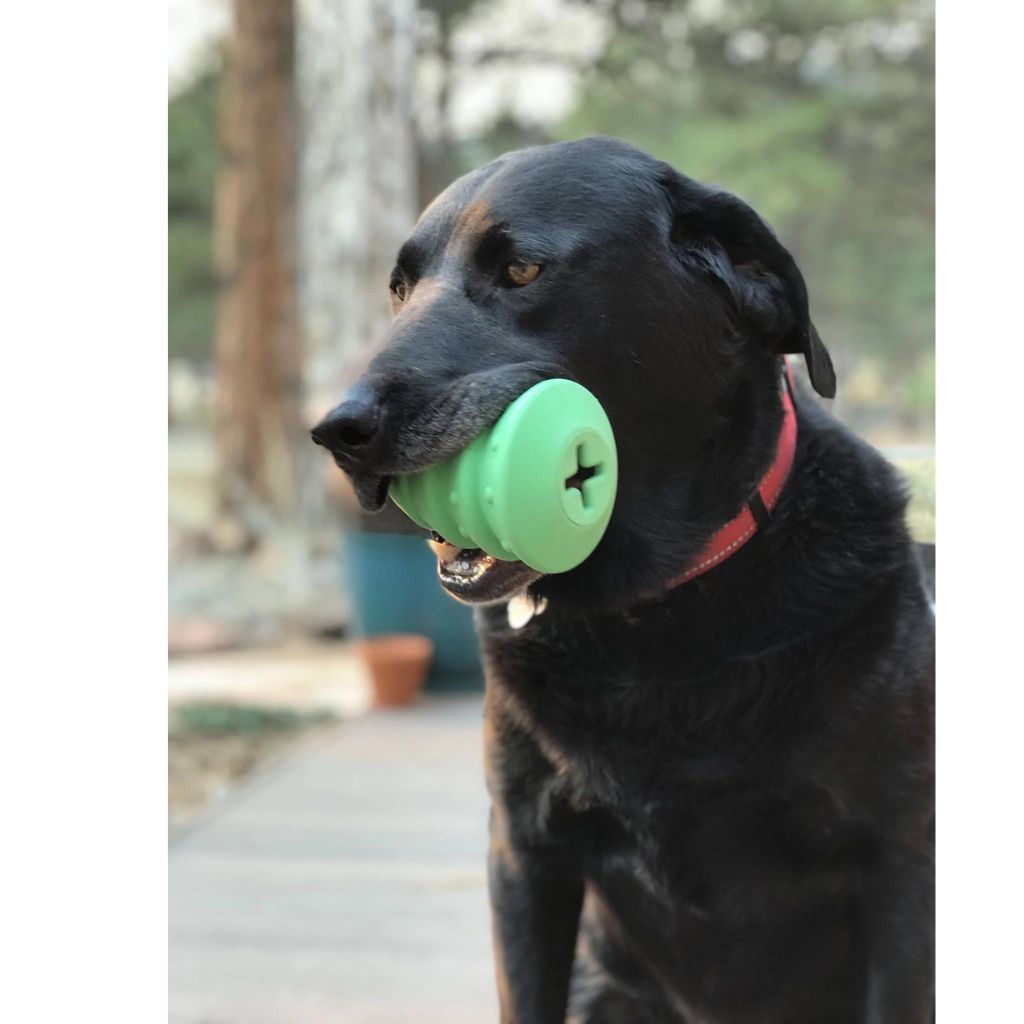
<point x="392" y="581"/>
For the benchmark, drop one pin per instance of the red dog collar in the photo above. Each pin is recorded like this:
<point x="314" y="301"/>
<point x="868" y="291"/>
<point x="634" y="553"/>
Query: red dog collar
<point x="756" y="511"/>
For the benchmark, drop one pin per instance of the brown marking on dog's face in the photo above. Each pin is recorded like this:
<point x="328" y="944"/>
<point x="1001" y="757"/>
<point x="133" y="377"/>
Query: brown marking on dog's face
<point x="412" y="299"/>
<point x="471" y="223"/>
<point x="473" y="217"/>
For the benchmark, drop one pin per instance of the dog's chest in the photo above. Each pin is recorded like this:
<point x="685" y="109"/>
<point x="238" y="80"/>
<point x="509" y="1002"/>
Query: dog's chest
<point x="614" y="728"/>
<point x="681" y="798"/>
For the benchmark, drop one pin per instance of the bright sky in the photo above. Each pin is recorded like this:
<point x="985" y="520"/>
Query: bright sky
<point x="192" y="27"/>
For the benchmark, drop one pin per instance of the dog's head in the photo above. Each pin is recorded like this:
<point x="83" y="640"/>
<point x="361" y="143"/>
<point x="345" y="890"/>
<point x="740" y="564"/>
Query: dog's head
<point x="670" y="301"/>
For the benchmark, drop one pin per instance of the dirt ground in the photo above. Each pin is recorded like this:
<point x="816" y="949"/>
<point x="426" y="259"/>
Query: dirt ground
<point x="212" y="746"/>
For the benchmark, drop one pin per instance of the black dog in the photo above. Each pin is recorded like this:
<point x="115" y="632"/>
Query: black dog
<point x="711" y="802"/>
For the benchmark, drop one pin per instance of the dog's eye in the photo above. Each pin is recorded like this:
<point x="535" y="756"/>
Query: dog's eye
<point x="519" y="274"/>
<point x="399" y="293"/>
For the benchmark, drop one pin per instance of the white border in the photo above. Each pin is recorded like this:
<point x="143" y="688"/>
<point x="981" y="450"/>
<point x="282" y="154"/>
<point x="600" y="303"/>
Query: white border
<point x="981" y="373"/>
<point x="83" y="535"/>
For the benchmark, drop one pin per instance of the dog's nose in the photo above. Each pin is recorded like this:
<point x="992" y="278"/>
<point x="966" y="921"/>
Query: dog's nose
<point x="349" y="428"/>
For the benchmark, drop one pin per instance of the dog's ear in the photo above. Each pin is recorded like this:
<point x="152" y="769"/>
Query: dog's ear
<point x="720" y="235"/>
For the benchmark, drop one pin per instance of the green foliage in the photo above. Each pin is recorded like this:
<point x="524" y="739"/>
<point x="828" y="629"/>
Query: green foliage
<point x="216" y="718"/>
<point x="192" y="171"/>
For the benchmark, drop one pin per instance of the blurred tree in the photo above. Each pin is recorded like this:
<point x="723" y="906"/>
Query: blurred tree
<point x="259" y="426"/>
<point x="356" y="61"/>
<point x="439" y="152"/>
<point x="357" y="198"/>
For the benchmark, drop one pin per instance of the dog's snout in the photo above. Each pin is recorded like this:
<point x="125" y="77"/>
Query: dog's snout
<point x="349" y="428"/>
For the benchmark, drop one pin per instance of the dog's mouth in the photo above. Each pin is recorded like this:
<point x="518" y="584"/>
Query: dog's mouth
<point x="475" y="577"/>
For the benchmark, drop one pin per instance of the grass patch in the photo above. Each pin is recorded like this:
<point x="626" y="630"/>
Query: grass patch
<point x="214" y="718"/>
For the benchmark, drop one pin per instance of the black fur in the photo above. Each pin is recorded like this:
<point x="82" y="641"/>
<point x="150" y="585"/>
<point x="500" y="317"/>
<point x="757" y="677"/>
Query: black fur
<point x="710" y="803"/>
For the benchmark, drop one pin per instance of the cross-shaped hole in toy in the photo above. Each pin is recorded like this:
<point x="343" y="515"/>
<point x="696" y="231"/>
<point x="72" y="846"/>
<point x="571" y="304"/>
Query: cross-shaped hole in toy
<point x="581" y="476"/>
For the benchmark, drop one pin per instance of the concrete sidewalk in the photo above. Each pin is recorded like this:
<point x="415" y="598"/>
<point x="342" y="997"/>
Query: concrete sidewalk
<point x="346" y="885"/>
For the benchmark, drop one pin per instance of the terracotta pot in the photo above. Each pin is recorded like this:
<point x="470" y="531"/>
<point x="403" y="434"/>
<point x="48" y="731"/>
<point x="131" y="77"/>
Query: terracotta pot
<point x="398" y="666"/>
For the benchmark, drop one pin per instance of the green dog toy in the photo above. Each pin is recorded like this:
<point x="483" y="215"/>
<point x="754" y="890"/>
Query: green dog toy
<point x="538" y="486"/>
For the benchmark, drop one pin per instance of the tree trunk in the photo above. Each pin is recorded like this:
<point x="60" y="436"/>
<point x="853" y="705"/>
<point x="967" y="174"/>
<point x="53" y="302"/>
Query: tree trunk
<point x="259" y="365"/>
<point x="357" y="178"/>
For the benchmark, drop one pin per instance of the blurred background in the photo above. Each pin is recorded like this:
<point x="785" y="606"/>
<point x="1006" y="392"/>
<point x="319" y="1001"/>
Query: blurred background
<point x="327" y="859"/>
